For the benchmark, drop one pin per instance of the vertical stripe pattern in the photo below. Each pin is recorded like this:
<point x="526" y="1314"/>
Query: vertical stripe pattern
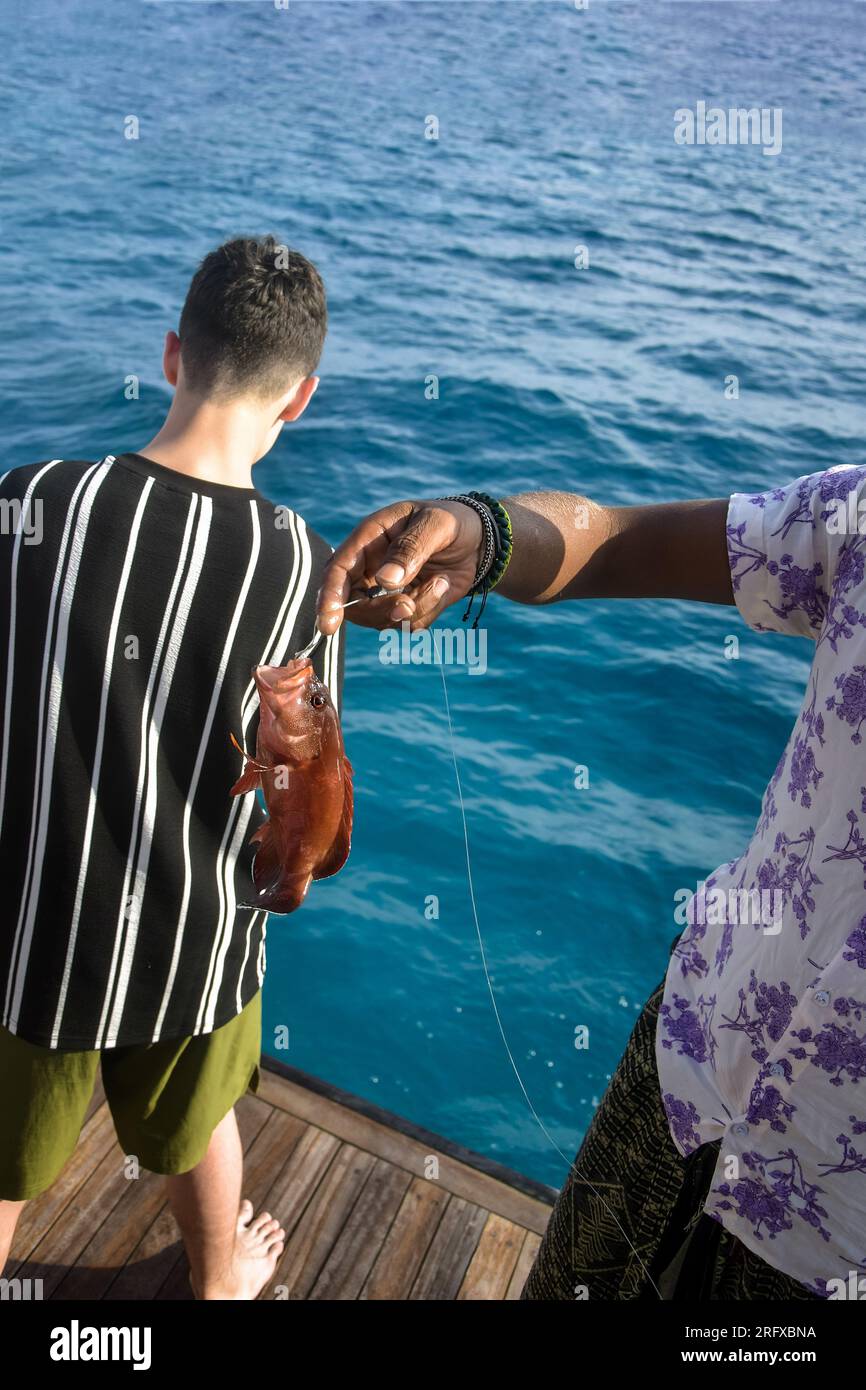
<point x="149" y="597"/>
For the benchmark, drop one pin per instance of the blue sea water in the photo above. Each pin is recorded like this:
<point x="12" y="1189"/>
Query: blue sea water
<point x="455" y="258"/>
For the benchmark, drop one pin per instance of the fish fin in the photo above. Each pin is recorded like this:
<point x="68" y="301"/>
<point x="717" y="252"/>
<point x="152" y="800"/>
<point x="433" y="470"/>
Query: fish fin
<point x="247" y="782"/>
<point x="339" y="851"/>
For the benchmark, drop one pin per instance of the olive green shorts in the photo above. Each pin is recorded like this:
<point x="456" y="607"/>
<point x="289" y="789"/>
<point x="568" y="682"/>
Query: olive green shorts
<point x="166" y="1099"/>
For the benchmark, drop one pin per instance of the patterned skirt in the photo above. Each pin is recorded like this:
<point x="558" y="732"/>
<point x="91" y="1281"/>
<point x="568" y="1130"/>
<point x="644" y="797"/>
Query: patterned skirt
<point x="628" y="1224"/>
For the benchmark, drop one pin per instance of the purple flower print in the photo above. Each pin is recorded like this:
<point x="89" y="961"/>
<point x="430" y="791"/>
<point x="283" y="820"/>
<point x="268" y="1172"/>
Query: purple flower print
<point x="778" y="494"/>
<point x="802" y="509"/>
<point x="683" y="1118"/>
<point x="800" y="590"/>
<point x="769" y="810"/>
<point x="851" y="1161"/>
<point x="813" y="723"/>
<point x="796" y="879"/>
<point x="856" y="943"/>
<point x="781" y="1194"/>
<point x="842" y="617"/>
<point x="849" y="567"/>
<point x="690" y="1032"/>
<point x="767" y="1105"/>
<point x="850" y="705"/>
<point x="849" y="1008"/>
<point x="687" y="949"/>
<point x="838" y="1049"/>
<point x="830" y="487"/>
<point x="764" y="1014"/>
<point x="774" y="1005"/>
<point x="684" y="1029"/>
<point x="799" y="586"/>
<point x="726" y="946"/>
<point x="738" y="551"/>
<point x="855" y="846"/>
<point x="755" y="1204"/>
<point x="833" y="486"/>
<point x="689" y="954"/>
<point x="804" y="773"/>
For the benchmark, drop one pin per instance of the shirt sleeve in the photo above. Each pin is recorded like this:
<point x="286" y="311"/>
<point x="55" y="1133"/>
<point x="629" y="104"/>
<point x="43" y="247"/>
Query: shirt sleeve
<point x="795" y="551"/>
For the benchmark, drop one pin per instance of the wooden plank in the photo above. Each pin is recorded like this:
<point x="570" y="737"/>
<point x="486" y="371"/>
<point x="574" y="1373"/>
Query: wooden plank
<point x="492" y="1265"/>
<point x="37" y="1218"/>
<point x="407" y="1242"/>
<point x="323" y="1219"/>
<point x="97" y="1266"/>
<point x="155" y="1256"/>
<point x="157" y="1251"/>
<point x="525" y="1261"/>
<point x="476" y="1188"/>
<point x="295" y="1186"/>
<point x="270" y="1152"/>
<point x="176" y="1287"/>
<point x="92" y="1204"/>
<point x="450" y="1251"/>
<point x="343" y="1273"/>
<point x="297" y="1182"/>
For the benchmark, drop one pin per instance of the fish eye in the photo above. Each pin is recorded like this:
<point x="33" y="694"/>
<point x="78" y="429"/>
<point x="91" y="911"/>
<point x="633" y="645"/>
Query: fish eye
<point x="317" y="700"/>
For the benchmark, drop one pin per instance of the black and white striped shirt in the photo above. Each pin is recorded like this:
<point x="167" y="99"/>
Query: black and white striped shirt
<point x="134" y="602"/>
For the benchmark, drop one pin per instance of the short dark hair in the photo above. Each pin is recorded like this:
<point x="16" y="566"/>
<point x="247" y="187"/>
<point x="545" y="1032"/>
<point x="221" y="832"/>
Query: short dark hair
<point x="254" y="320"/>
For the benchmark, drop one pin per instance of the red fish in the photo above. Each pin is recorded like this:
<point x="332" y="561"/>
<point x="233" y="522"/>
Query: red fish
<point x="307" y="783"/>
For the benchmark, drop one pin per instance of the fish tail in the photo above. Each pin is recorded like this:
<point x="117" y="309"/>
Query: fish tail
<point x="282" y="895"/>
<point x="266" y="865"/>
<point x="275" y="890"/>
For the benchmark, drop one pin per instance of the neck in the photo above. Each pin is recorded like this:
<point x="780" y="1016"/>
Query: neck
<point x="203" y="440"/>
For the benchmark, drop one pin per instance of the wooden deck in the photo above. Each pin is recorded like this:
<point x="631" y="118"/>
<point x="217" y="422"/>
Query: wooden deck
<point x="348" y="1182"/>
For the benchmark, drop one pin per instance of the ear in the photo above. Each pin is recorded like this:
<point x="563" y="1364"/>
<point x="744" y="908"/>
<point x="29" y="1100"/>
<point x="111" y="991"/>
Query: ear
<point x="171" y="357"/>
<point x="303" y="395"/>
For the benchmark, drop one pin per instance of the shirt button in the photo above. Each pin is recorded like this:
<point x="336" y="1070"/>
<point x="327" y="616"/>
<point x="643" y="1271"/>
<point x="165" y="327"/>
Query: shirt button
<point x="822" y="996"/>
<point x="777" y="1069"/>
<point x="740" y="1129"/>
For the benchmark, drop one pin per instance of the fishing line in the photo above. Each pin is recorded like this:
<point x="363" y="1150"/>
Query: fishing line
<point x="535" y="1115"/>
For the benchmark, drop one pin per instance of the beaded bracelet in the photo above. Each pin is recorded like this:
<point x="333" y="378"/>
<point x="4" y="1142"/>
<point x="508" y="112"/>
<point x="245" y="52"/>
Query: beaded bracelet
<point x="505" y="538"/>
<point x="498" y="545"/>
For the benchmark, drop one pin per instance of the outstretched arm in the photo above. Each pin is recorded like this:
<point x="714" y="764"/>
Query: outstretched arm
<point x="569" y="547"/>
<point x="565" y="547"/>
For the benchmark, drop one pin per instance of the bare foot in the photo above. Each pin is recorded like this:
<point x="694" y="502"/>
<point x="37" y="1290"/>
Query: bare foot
<point x="259" y="1243"/>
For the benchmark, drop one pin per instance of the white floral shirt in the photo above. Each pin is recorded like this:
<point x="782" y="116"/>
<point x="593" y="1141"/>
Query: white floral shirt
<point x="761" y="1040"/>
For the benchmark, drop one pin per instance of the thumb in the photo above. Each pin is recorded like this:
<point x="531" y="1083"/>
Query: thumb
<point x="423" y="536"/>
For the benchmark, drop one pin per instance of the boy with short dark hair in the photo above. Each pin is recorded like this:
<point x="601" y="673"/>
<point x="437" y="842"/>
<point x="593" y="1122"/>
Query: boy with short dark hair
<point x="136" y="595"/>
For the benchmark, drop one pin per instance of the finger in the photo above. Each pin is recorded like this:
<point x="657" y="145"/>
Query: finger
<point x="426" y="533"/>
<point x="375" y="613"/>
<point x="330" y="599"/>
<point x="404" y="608"/>
<point x="383" y="612"/>
<point x="429" y="600"/>
<point x="355" y="561"/>
<point x="420" y="605"/>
